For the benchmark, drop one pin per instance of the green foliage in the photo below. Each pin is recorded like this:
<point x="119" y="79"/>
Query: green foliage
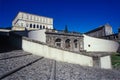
<point x="115" y="60"/>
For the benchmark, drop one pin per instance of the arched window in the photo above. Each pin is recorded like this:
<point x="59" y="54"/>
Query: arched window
<point x="40" y="26"/>
<point x="67" y="43"/>
<point x="30" y="25"/>
<point x="30" y="17"/>
<point x="37" y="26"/>
<point x="34" y="26"/>
<point x="58" y="42"/>
<point x="75" y="43"/>
<point x="43" y="27"/>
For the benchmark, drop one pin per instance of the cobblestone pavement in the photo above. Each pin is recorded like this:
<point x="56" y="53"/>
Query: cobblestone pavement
<point x="20" y="65"/>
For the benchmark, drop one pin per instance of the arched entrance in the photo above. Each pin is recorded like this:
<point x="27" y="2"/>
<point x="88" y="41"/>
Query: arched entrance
<point x="67" y="43"/>
<point x="58" y="42"/>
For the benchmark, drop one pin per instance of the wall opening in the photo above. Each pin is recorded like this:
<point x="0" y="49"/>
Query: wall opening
<point x="58" y="42"/>
<point x="67" y="43"/>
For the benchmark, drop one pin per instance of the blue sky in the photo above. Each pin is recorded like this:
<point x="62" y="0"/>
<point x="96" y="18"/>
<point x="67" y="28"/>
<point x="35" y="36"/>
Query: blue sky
<point x="78" y="15"/>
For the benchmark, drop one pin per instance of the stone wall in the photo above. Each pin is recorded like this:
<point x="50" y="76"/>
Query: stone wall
<point x="55" y="53"/>
<point x="101" y="31"/>
<point x="67" y="41"/>
<point x="52" y="52"/>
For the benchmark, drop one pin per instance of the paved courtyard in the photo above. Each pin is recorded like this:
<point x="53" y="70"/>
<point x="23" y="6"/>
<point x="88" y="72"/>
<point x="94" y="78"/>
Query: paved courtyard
<point x="20" y="65"/>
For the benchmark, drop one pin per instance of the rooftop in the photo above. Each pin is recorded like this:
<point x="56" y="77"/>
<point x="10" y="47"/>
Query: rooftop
<point x="62" y="32"/>
<point x="34" y="15"/>
<point x="96" y="29"/>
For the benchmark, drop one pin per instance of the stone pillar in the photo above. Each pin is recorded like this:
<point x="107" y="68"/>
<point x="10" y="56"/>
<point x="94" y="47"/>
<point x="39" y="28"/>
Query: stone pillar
<point x="62" y="43"/>
<point x="53" y="40"/>
<point x="81" y="44"/>
<point x="71" y="44"/>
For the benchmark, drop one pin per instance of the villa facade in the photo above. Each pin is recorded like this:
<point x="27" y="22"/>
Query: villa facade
<point x="30" y="21"/>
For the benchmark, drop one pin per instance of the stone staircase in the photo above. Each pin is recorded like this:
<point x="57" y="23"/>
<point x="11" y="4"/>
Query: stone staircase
<point x="20" y="65"/>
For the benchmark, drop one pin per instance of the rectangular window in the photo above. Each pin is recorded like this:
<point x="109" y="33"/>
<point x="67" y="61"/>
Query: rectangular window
<point x="37" y="18"/>
<point x="27" y="16"/>
<point x="34" y="18"/>
<point x="30" y="17"/>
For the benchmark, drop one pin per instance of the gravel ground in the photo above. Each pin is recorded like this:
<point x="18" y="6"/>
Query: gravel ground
<point x="13" y="54"/>
<point x="65" y="71"/>
<point x="13" y="63"/>
<point x="47" y="69"/>
<point x="40" y="70"/>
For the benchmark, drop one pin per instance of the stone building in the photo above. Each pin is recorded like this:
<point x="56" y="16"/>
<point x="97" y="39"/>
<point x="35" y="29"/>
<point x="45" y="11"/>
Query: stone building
<point x="65" y="40"/>
<point x="115" y="37"/>
<point x="70" y="41"/>
<point x="104" y="32"/>
<point x="71" y="47"/>
<point x="100" y="31"/>
<point x="30" y="21"/>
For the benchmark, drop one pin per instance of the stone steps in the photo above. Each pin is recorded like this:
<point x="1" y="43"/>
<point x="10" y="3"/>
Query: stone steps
<point x="40" y="70"/>
<point x="9" y="66"/>
<point x="13" y="54"/>
<point x="31" y="67"/>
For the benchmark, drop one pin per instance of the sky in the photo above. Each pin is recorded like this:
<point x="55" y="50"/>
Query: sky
<point x="78" y="15"/>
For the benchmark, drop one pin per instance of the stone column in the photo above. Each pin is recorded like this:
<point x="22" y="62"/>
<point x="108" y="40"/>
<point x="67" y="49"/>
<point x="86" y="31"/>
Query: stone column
<point x="81" y="44"/>
<point x="62" y="43"/>
<point x="71" y="44"/>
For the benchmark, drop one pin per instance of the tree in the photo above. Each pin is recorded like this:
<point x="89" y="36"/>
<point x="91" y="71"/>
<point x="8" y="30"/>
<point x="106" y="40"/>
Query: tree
<point x="119" y="30"/>
<point x="66" y="28"/>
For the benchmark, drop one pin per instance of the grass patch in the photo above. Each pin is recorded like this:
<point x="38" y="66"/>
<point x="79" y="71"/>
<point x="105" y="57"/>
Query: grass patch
<point x="115" y="58"/>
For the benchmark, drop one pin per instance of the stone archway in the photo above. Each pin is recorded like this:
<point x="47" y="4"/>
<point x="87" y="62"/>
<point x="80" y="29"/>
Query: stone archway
<point x="30" y="25"/>
<point x="58" y="42"/>
<point x="67" y="43"/>
<point x="75" y="43"/>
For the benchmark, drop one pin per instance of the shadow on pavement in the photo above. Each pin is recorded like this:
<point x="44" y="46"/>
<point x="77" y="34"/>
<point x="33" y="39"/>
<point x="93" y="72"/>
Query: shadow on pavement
<point x="5" y="45"/>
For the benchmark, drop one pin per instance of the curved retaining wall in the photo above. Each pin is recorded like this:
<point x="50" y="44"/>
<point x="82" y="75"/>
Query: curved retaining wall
<point x="38" y="35"/>
<point x="42" y="49"/>
<point x="99" y="45"/>
<point x="56" y="54"/>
